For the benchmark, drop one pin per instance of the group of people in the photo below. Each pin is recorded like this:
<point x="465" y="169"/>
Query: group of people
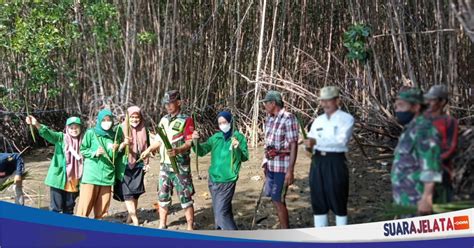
<point x="422" y="170"/>
<point x="110" y="160"/>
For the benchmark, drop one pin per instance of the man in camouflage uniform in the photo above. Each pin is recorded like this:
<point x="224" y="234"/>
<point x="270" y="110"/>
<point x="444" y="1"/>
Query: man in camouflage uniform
<point x="416" y="167"/>
<point x="179" y="128"/>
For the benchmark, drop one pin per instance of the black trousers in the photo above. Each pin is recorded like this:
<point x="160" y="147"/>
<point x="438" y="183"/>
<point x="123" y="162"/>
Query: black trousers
<point x="222" y="194"/>
<point x="329" y="183"/>
<point x="62" y="201"/>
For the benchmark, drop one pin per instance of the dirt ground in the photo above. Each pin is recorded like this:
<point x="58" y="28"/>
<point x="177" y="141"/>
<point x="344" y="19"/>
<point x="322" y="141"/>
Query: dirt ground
<point x="369" y="193"/>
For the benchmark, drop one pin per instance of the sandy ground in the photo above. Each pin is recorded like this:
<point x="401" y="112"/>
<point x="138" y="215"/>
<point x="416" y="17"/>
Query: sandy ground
<point x="369" y="193"/>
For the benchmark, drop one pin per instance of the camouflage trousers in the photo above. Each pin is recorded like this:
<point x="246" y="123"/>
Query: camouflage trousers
<point x="184" y="188"/>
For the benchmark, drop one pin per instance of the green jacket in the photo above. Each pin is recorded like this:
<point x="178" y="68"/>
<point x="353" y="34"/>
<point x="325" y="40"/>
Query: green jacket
<point x="56" y="176"/>
<point x="98" y="170"/>
<point x="221" y="170"/>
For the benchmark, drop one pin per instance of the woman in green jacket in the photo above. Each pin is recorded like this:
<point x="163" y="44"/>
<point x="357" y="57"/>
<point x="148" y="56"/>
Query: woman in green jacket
<point x="228" y="149"/>
<point x="102" y="165"/>
<point x="66" y="166"/>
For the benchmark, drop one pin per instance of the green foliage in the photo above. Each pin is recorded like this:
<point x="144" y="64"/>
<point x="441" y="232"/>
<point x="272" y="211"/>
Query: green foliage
<point x="146" y="37"/>
<point x="105" y="26"/>
<point x="355" y="40"/>
<point x="37" y="34"/>
<point x="6" y="102"/>
<point x="36" y="31"/>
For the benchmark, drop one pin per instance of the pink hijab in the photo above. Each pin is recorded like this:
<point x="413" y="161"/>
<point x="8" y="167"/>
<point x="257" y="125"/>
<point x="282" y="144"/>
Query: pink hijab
<point x="74" y="166"/>
<point x="138" y="134"/>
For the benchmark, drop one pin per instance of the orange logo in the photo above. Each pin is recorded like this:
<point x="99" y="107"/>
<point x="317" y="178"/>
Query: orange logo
<point x="461" y="222"/>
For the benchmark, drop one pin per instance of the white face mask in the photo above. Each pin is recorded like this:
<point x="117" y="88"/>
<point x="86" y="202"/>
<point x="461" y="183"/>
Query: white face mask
<point x="135" y="124"/>
<point x="106" y="125"/>
<point x="225" y="127"/>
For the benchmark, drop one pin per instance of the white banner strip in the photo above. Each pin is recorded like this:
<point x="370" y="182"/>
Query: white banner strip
<point x="447" y="225"/>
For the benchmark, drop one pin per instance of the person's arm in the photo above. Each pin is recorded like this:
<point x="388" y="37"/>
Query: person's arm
<point x="47" y="134"/>
<point x="452" y="135"/>
<point x="86" y="149"/>
<point x="291" y="136"/>
<point x="122" y="139"/>
<point x="184" y="148"/>
<point x="425" y="205"/>
<point x="188" y="132"/>
<point x="154" y="146"/>
<point x="429" y="155"/>
<point x="293" y="155"/>
<point x="243" y="148"/>
<point x="428" y="149"/>
<point x="203" y="148"/>
<point x="311" y="141"/>
<point x="239" y="146"/>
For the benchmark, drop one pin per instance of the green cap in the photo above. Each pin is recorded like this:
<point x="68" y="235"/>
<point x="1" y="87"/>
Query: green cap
<point x="412" y="95"/>
<point x="272" y="96"/>
<point x="73" y="120"/>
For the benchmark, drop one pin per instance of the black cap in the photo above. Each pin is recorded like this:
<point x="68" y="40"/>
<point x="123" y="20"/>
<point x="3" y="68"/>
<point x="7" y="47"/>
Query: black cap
<point x="171" y="96"/>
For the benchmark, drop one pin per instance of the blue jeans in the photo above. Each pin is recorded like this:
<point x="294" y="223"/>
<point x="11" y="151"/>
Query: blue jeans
<point x="274" y="183"/>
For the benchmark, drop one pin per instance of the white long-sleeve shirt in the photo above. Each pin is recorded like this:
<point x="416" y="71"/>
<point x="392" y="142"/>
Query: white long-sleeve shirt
<point x="332" y="134"/>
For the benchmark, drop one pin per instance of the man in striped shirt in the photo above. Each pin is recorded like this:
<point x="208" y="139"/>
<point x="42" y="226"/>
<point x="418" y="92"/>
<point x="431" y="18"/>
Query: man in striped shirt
<point x="281" y="137"/>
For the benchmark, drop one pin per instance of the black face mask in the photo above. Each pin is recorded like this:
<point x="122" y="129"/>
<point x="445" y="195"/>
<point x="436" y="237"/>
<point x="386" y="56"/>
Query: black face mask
<point x="404" y="117"/>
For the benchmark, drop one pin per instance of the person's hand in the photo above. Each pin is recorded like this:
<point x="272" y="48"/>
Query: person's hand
<point x="31" y="120"/>
<point x="289" y="178"/>
<point x="309" y="143"/>
<point x="17" y="179"/>
<point x="196" y="135"/>
<point x="75" y="154"/>
<point x="265" y="167"/>
<point x="172" y="152"/>
<point x="100" y="151"/>
<point x="425" y="206"/>
<point x="125" y="143"/>
<point x="115" y="147"/>
<point x="145" y="154"/>
<point x="235" y="143"/>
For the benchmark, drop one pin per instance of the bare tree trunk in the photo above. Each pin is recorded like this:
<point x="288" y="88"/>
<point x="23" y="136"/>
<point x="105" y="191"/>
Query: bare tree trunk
<point x="172" y="62"/>
<point x="404" y="45"/>
<point x="254" y="138"/>
<point x="464" y="10"/>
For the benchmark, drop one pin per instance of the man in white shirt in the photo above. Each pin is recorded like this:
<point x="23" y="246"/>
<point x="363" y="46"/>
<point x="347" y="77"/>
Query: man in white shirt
<point x="329" y="177"/>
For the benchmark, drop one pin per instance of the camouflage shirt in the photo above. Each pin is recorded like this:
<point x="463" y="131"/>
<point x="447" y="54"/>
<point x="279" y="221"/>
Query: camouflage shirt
<point x="179" y="130"/>
<point x="417" y="160"/>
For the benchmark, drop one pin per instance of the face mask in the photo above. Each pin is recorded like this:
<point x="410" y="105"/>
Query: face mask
<point x="74" y="133"/>
<point x="133" y="124"/>
<point x="106" y="125"/>
<point x="404" y="117"/>
<point x="225" y="127"/>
